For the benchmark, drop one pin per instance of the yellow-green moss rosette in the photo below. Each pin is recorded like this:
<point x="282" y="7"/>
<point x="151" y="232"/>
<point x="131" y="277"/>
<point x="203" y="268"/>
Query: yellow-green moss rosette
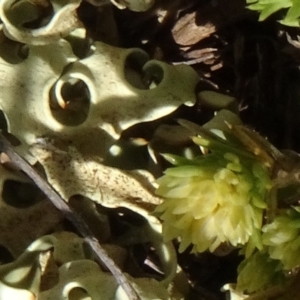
<point x="282" y="237"/>
<point x="215" y="198"/>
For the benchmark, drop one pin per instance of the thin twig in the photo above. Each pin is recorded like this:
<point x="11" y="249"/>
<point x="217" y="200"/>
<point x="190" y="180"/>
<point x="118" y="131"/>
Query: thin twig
<point x="70" y="214"/>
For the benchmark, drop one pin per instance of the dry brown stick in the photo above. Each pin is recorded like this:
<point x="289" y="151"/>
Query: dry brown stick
<point x="70" y="214"/>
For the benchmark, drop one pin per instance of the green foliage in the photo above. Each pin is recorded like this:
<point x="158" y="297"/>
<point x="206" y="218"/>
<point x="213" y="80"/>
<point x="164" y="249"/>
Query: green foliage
<point x="216" y="198"/>
<point x="259" y="263"/>
<point x="268" y="7"/>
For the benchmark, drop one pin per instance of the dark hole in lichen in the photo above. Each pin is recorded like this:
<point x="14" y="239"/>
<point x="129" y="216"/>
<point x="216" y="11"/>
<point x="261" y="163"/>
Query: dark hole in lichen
<point x="133" y="70"/>
<point x="78" y="293"/>
<point x="30" y="15"/>
<point x="5" y="256"/>
<point x="75" y="98"/>
<point x="13" y="52"/>
<point x="20" y="194"/>
<point x="80" y="47"/>
<point x="140" y="74"/>
<point x="154" y="74"/>
<point x="3" y="122"/>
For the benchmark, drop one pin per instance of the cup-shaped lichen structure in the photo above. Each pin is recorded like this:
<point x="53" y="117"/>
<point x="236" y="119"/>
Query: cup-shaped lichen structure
<point x="216" y="198"/>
